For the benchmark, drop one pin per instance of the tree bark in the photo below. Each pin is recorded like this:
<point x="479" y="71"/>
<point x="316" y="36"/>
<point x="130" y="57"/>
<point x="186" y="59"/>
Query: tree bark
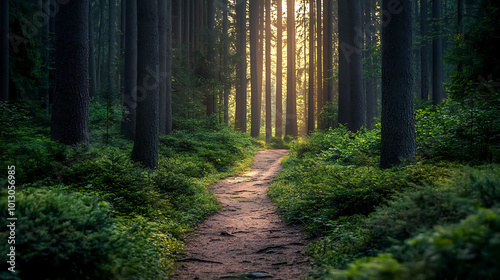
<point x="310" y="99"/>
<point x="168" y="109"/>
<point x="357" y="108"/>
<point x="424" y="50"/>
<point x="92" y="71"/>
<point x="344" y="74"/>
<point x="319" y="36"/>
<point x="437" y="51"/>
<point x="269" y="129"/>
<point x="162" y="60"/>
<point x="211" y="96"/>
<point x="291" y="99"/>
<point x="130" y="73"/>
<point x="241" y="101"/>
<point x="398" y="123"/>
<point x="70" y="116"/>
<point x="4" y="51"/>
<point x="147" y="127"/>
<point x="279" y="71"/>
<point x="177" y="22"/>
<point x="254" y="41"/>
<point x="225" y="42"/>
<point x="111" y="49"/>
<point x="371" y="98"/>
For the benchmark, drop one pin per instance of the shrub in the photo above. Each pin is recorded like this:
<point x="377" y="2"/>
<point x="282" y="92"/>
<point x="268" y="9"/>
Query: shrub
<point x="467" y="250"/>
<point x="61" y="236"/>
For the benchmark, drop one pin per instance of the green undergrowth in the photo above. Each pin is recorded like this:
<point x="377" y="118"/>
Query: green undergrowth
<point x="93" y="209"/>
<point x="407" y="222"/>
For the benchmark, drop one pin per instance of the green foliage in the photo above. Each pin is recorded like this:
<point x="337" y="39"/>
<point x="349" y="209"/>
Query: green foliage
<point x="466" y="131"/>
<point x="61" y="236"/>
<point x="467" y="250"/>
<point x="278" y="143"/>
<point x="329" y="114"/>
<point x="152" y="210"/>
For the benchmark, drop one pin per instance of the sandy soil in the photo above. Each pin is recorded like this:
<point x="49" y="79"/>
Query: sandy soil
<point x="247" y="239"/>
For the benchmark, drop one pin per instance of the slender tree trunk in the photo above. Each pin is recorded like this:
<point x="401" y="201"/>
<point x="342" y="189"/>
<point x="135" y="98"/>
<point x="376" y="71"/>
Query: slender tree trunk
<point x="4" y="51"/>
<point x="70" y="116"/>
<point x="147" y="128"/>
<point x="357" y="108"/>
<point x="100" y="48"/>
<point x="92" y="70"/>
<point x="186" y="29"/>
<point x="398" y="124"/>
<point x="241" y="101"/>
<point x="211" y="96"/>
<point x="130" y="75"/>
<point x="269" y="128"/>
<point x="371" y="98"/>
<point x="254" y="41"/>
<point x="279" y="71"/>
<point x="460" y="26"/>
<point x="319" y="56"/>
<point x="162" y="60"/>
<point x="168" y="109"/>
<point x="291" y="99"/>
<point x="437" y="50"/>
<point x="328" y="92"/>
<point x="111" y="48"/>
<point x="344" y="58"/>
<point x="260" y="58"/>
<point x="225" y="38"/>
<point x="310" y="101"/>
<point x="177" y="22"/>
<point x="425" y="50"/>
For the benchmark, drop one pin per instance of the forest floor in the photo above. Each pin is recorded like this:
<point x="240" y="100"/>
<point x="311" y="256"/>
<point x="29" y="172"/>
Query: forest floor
<point x="247" y="239"/>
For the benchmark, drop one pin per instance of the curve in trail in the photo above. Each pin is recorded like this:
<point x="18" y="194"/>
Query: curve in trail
<point x="248" y="238"/>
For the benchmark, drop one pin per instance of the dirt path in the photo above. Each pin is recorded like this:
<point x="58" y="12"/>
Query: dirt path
<point x="247" y="239"/>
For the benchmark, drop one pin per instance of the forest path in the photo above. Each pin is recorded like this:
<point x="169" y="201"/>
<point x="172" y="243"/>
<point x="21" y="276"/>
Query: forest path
<point x="247" y="239"/>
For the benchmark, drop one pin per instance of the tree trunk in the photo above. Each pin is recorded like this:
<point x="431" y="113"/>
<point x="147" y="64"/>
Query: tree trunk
<point x="319" y="90"/>
<point x="398" y="123"/>
<point x="147" y="127"/>
<point x="70" y="116"/>
<point x="177" y="22"/>
<point x="186" y="28"/>
<point x="269" y="128"/>
<point x="92" y="71"/>
<point x="371" y="98"/>
<point x="291" y="96"/>
<point x="344" y="54"/>
<point x="241" y="101"/>
<point x="357" y="108"/>
<point x="425" y="50"/>
<point x="310" y="99"/>
<point x="168" y="109"/>
<point x="254" y="41"/>
<point x="211" y="96"/>
<point x="4" y="51"/>
<point x="328" y="94"/>
<point x="260" y="58"/>
<point x="100" y="48"/>
<point x="460" y="26"/>
<point x="162" y="60"/>
<point x="111" y="49"/>
<point x="437" y="50"/>
<point x="130" y="74"/>
<point x="279" y="71"/>
<point x="225" y="42"/>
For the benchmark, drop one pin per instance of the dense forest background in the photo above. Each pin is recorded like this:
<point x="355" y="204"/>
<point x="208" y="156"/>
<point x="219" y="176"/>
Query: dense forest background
<point x="118" y="115"/>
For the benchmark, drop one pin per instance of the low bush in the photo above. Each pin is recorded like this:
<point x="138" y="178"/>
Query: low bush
<point x="467" y="250"/>
<point x="61" y="236"/>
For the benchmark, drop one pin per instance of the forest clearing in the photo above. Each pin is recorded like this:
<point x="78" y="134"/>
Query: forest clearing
<point x="246" y="139"/>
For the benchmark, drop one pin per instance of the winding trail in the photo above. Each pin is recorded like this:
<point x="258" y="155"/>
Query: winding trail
<point x="247" y="239"/>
